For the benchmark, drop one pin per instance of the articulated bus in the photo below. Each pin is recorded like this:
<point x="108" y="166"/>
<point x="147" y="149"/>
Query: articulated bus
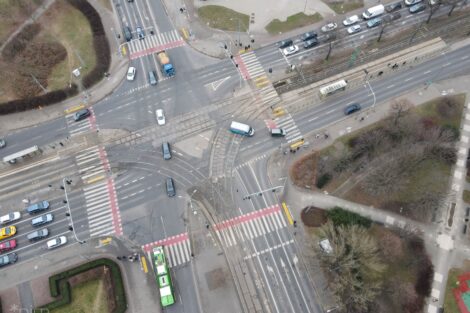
<point x="162" y="272"/>
<point x="29" y="152"/>
<point x="332" y="88"/>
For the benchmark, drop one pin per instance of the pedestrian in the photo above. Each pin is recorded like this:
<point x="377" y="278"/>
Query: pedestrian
<point x="118" y="257"/>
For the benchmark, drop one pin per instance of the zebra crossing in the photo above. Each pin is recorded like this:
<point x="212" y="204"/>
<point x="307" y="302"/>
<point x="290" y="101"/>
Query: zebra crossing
<point x="85" y="125"/>
<point x="100" y="196"/>
<point x="249" y="226"/>
<point x="92" y="163"/>
<point x="103" y="218"/>
<point x="177" y="249"/>
<point x="287" y="123"/>
<point x="154" y="43"/>
<point x="249" y="66"/>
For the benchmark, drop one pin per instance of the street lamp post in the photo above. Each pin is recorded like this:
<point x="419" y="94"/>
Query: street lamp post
<point x="70" y="212"/>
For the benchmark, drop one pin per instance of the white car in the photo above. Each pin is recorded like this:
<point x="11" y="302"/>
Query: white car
<point x="354" y="29"/>
<point x="351" y="20"/>
<point x="3" y="143"/>
<point x="290" y="50"/>
<point x="131" y="73"/>
<point x="56" y="242"/>
<point x="10" y="217"/>
<point x="160" y="117"/>
<point x="329" y="27"/>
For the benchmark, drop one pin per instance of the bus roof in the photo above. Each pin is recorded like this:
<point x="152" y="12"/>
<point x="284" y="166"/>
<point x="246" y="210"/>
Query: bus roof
<point x="20" y="154"/>
<point x="333" y="87"/>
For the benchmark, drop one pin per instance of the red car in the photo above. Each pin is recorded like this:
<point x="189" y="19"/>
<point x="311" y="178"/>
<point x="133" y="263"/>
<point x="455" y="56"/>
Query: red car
<point x="7" y="245"/>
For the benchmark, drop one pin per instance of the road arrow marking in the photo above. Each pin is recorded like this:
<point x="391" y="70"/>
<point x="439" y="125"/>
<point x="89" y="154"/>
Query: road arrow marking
<point x="219" y="82"/>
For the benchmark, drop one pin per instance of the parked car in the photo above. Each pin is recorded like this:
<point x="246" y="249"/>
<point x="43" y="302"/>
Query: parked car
<point x="3" y="143"/>
<point x="329" y="27"/>
<point x="7" y="245"/>
<point x="160" y="117"/>
<point x="56" y="242"/>
<point x="41" y="220"/>
<point x="290" y="50"/>
<point x="417" y="8"/>
<point x="308" y="36"/>
<point x="310" y="43"/>
<point x="8" y="259"/>
<point x="6" y="232"/>
<point x="10" y="217"/>
<point x="351" y="20"/>
<point x="82" y="114"/>
<point x="374" y="22"/>
<point x="393" y="7"/>
<point x="354" y="29"/>
<point x="140" y="32"/>
<point x="38" y="207"/>
<point x="350" y="109"/>
<point x="285" y="43"/>
<point x="131" y="73"/>
<point x="412" y="2"/>
<point x="392" y="17"/>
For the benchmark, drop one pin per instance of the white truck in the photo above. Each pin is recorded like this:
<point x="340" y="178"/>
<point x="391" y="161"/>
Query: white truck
<point x="373" y="12"/>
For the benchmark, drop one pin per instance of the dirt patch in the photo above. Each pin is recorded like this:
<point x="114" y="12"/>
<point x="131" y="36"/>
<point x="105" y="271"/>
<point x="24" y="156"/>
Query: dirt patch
<point x="41" y="291"/>
<point x="303" y="172"/>
<point x="313" y="217"/>
<point x="13" y="13"/>
<point x="215" y="279"/>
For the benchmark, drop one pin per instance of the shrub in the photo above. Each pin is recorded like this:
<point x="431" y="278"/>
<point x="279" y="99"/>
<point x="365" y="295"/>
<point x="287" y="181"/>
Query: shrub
<point x="425" y="277"/>
<point x="339" y="216"/>
<point x="323" y="180"/>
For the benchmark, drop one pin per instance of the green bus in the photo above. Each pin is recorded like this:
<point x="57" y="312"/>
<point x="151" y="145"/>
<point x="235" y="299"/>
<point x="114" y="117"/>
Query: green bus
<point x="162" y="272"/>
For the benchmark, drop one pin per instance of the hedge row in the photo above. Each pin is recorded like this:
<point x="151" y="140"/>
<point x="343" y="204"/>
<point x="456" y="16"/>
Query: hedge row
<point x="103" y="61"/>
<point x="59" y="285"/>
<point x="100" y="43"/>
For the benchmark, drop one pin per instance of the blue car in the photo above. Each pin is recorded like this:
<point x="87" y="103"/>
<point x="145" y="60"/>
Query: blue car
<point x="374" y="22"/>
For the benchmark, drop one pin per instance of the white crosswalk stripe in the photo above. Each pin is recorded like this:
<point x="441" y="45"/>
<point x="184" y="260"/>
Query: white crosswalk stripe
<point x="286" y="122"/>
<point x="251" y="229"/>
<point x="99" y="213"/>
<point x="178" y="253"/>
<point x="152" y="43"/>
<point x="76" y="128"/>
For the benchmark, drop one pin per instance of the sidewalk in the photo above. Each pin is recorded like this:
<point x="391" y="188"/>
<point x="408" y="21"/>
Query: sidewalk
<point x="117" y="70"/>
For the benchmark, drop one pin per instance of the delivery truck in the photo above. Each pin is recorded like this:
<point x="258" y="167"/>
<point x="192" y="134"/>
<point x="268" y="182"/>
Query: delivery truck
<point x="165" y="63"/>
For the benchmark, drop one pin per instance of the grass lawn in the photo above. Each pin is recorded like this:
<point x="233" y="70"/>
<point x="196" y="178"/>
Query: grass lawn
<point x="294" y="21"/>
<point x="69" y="27"/>
<point x="87" y="297"/>
<point x="220" y="17"/>
<point x="341" y="8"/>
<point x="450" y="305"/>
<point x="429" y="109"/>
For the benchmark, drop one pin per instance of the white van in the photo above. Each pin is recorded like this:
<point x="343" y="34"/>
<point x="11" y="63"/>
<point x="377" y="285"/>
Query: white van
<point x="242" y="129"/>
<point x="373" y="12"/>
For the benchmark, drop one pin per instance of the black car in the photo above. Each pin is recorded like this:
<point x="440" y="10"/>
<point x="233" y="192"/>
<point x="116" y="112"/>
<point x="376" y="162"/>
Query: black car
<point x="308" y="36"/>
<point x="350" y="109"/>
<point x="310" y="43"/>
<point x="393" y="7"/>
<point x="8" y="259"/>
<point x="285" y="43"/>
<point x="417" y="8"/>
<point x="392" y="17"/>
<point x="82" y="114"/>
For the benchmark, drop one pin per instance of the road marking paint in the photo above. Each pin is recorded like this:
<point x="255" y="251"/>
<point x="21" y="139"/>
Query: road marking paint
<point x="95" y="179"/>
<point x="390" y="86"/>
<point x="408" y="79"/>
<point x="312" y="119"/>
<point x="427" y="72"/>
<point x="447" y="64"/>
<point x="144" y="264"/>
<point x="75" y="108"/>
<point x="288" y="214"/>
<point x="29" y="166"/>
